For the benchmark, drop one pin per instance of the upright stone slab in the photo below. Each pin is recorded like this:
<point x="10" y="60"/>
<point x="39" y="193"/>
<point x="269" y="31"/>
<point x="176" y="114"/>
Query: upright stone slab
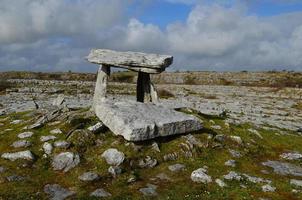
<point x="137" y="121"/>
<point x="101" y="84"/>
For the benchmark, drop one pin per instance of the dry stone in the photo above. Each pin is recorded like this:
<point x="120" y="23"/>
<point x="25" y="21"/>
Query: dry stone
<point x="137" y="121"/>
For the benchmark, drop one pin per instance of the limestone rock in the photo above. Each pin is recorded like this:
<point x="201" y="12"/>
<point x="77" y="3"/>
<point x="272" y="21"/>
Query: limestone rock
<point x="89" y="176"/>
<point x="114" y="170"/>
<point x="59" y="100"/>
<point x="176" y="167"/>
<point x="56" y="192"/>
<point x="62" y="144"/>
<point x="47" y="147"/>
<point x="291" y="156"/>
<point x="100" y="193"/>
<point x="230" y="163"/>
<point x="137" y="121"/>
<point x="21" y="143"/>
<point x="26" y="155"/>
<point x="56" y="131"/>
<point x="25" y="135"/>
<point x="220" y="183"/>
<point x="232" y="176"/>
<point x="113" y="156"/>
<point x="13" y="178"/>
<point x="98" y="127"/>
<point x="147" y="162"/>
<point x="284" y="168"/>
<point x="150" y="190"/>
<point x="47" y="138"/>
<point x="200" y="176"/>
<point x="268" y="188"/>
<point x="296" y="182"/>
<point x="65" y="161"/>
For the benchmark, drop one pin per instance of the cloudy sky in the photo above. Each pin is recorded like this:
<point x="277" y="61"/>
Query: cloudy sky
<point x="221" y="35"/>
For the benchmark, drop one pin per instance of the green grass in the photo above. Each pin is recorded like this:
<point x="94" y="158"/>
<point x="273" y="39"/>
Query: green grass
<point x="181" y="187"/>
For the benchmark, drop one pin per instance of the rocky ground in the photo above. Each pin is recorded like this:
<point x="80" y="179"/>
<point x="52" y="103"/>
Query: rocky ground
<point x="53" y="146"/>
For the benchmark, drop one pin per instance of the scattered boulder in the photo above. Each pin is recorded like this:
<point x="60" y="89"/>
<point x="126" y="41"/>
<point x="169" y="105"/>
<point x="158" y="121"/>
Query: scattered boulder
<point x="25" y="135"/>
<point x="56" y="131"/>
<point x="268" y="188"/>
<point x="47" y="138"/>
<point x="236" y="139"/>
<point x="113" y="156"/>
<point x="98" y="127"/>
<point x="176" y="167"/>
<point x="15" y="178"/>
<point x="283" y="168"/>
<point x="21" y="144"/>
<point x="155" y="147"/>
<point x="114" y="170"/>
<point x="100" y="193"/>
<point x="147" y="162"/>
<point x="200" y="176"/>
<point x="65" y="161"/>
<point x="220" y="183"/>
<point x="232" y="176"/>
<point x="295" y="182"/>
<point x="47" y="147"/>
<point x="56" y="192"/>
<point x="230" y="163"/>
<point x="62" y="144"/>
<point x="25" y="155"/>
<point x="254" y="179"/>
<point x="291" y="156"/>
<point x="89" y="176"/>
<point x="150" y="190"/>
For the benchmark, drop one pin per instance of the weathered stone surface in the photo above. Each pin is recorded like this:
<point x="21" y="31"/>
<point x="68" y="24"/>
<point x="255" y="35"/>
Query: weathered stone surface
<point x="65" y="161"/>
<point x="13" y="178"/>
<point x="176" y="167"/>
<point x="291" y="156"/>
<point x="296" y="182"/>
<point x="59" y="100"/>
<point x="200" y="176"/>
<point x="268" y="188"/>
<point x="220" y="183"/>
<point x="56" y="131"/>
<point x="149" y="63"/>
<point x="89" y="176"/>
<point x="100" y="90"/>
<point x="284" y="168"/>
<point x="97" y="127"/>
<point x="47" y="147"/>
<point x="113" y="157"/>
<point x="147" y="162"/>
<point x="26" y="155"/>
<point x="114" y="170"/>
<point x="230" y="163"/>
<point x="56" y="192"/>
<point x="25" y="135"/>
<point x="21" y="143"/>
<point x="62" y="144"/>
<point x="232" y="176"/>
<point x="47" y="138"/>
<point x="234" y="153"/>
<point x="100" y="193"/>
<point x="137" y="121"/>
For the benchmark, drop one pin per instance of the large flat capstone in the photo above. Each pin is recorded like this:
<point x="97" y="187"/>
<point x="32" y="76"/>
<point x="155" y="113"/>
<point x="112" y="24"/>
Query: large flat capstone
<point x="137" y="121"/>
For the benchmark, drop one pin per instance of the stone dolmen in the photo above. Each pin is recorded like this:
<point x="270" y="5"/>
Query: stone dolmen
<point x="141" y="120"/>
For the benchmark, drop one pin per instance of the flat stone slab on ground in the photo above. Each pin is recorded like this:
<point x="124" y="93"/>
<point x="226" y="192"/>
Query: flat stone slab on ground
<point x="137" y="121"/>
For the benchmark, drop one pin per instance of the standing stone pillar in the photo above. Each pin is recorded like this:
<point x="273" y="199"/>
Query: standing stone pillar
<point x="101" y="85"/>
<point x="145" y="91"/>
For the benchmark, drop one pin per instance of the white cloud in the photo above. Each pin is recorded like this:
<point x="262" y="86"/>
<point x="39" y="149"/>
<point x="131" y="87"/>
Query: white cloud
<point x="54" y="35"/>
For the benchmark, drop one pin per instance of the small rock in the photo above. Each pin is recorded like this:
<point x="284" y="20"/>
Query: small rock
<point x="296" y="182"/>
<point x="200" y="176"/>
<point x="56" y="192"/>
<point x="232" y="176"/>
<point x="235" y="154"/>
<point x="26" y="155"/>
<point x="13" y="178"/>
<point x="47" y="147"/>
<point x="18" y="121"/>
<point x="268" y="188"/>
<point x="47" y="138"/>
<point x="217" y="127"/>
<point x="254" y="179"/>
<point x="291" y="156"/>
<point x="147" y="162"/>
<point x="21" y="144"/>
<point x="100" y="193"/>
<point x="131" y="179"/>
<point x="283" y="168"/>
<point x="98" y="127"/>
<point x="176" y="167"/>
<point x="65" y="161"/>
<point x="56" y="131"/>
<point x="155" y="147"/>
<point x="171" y="156"/>
<point x="62" y="144"/>
<point x="230" y="163"/>
<point x="220" y="183"/>
<point x="255" y="132"/>
<point x="114" y="170"/>
<point x="113" y="156"/>
<point x="236" y="139"/>
<point x="163" y="177"/>
<point x="89" y="176"/>
<point x="148" y="191"/>
<point x="25" y="135"/>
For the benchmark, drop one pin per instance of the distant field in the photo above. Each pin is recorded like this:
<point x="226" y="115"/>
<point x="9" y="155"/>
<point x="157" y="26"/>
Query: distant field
<point x="260" y="79"/>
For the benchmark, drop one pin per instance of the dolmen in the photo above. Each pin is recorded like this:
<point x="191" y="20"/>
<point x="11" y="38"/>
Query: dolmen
<point x="143" y="119"/>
